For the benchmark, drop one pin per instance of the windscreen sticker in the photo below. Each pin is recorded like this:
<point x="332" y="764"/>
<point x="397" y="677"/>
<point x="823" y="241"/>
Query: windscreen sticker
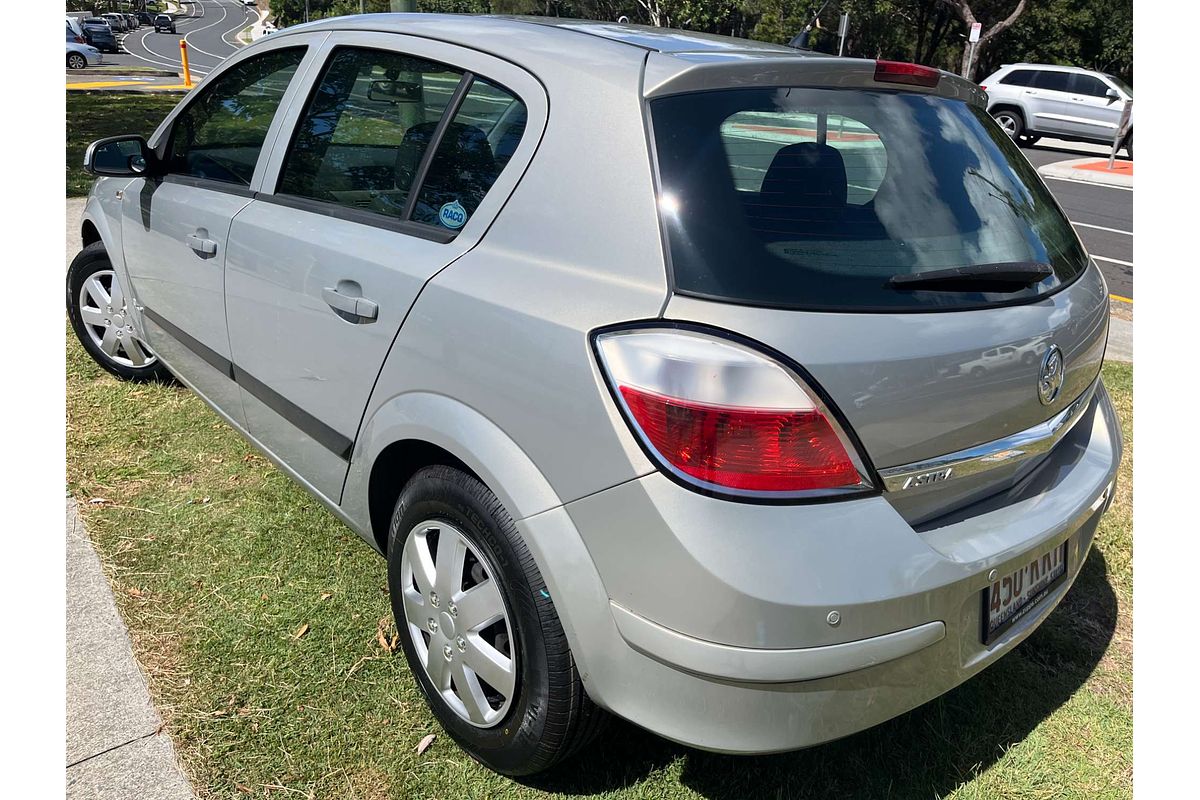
<point x="453" y="215"/>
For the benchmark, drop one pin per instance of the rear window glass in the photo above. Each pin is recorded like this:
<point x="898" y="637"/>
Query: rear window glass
<point x="1052" y="81"/>
<point x="1018" y="77"/>
<point x="816" y="198"/>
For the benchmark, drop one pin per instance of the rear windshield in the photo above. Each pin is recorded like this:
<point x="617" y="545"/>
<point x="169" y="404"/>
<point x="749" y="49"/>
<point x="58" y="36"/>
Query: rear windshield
<point x="815" y="198"/>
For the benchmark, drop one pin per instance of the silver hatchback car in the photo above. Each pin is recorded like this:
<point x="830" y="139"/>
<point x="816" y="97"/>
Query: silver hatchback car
<point x="658" y="365"/>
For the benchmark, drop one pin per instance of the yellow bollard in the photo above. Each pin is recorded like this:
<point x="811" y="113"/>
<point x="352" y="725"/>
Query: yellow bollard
<point x="187" y="73"/>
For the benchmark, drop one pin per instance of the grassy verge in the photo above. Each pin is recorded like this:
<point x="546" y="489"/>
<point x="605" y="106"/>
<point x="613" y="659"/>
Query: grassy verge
<point x="95" y="115"/>
<point x="218" y="561"/>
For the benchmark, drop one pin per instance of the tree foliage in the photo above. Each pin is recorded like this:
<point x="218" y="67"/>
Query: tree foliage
<point x="1089" y="33"/>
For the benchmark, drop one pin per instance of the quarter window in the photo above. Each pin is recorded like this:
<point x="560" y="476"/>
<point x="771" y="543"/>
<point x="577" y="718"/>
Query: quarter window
<point x="1018" y="77"/>
<point x="219" y="135"/>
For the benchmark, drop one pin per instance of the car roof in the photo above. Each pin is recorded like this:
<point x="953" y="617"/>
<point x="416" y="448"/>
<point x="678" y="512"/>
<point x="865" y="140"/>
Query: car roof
<point x="511" y="34"/>
<point x="1052" y="68"/>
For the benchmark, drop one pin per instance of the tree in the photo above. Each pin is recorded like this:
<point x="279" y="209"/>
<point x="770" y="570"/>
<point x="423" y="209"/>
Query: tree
<point x="963" y="9"/>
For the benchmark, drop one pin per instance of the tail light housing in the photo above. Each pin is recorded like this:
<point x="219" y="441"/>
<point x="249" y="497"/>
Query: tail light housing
<point x="722" y="417"/>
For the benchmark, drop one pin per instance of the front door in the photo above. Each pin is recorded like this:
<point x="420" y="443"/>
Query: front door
<point x="397" y="163"/>
<point x="175" y="228"/>
<point x="1094" y="115"/>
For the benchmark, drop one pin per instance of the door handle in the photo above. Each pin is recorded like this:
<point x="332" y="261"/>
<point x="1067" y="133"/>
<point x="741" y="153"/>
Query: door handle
<point x="201" y="245"/>
<point x="1030" y="91"/>
<point x="360" y="307"/>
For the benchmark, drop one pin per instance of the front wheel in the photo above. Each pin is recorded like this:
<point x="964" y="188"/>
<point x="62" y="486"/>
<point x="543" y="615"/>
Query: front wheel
<point x="98" y="308"/>
<point x="1128" y="143"/>
<point x="479" y="628"/>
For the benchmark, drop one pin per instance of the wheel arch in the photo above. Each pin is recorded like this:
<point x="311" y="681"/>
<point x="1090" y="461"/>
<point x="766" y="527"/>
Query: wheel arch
<point x="419" y="429"/>
<point x="996" y="109"/>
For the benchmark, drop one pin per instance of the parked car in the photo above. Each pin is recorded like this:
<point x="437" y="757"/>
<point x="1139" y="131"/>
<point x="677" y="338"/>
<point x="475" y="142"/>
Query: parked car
<point x="131" y="21"/>
<point x="73" y="29"/>
<point x="641" y="416"/>
<point x="100" y="35"/>
<point x="74" y="35"/>
<point x="164" y="23"/>
<point x="117" y="22"/>
<point x="1035" y="100"/>
<point x="82" y="55"/>
<point x="145" y="18"/>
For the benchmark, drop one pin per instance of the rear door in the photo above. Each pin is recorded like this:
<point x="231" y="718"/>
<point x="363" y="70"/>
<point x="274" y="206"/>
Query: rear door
<point x="1049" y="100"/>
<point x="175" y="228"/>
<point x="394" y="166"/>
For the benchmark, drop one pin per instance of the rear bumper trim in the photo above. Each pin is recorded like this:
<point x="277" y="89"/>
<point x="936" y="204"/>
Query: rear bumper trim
<point x="749" y="665"/>
<point x="1005" y="452"/>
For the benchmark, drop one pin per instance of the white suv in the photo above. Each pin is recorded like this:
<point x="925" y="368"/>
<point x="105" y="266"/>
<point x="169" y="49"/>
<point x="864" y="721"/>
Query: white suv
<point x="1034" y="100"/>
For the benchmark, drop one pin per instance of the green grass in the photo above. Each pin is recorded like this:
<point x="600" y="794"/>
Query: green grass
<point x="95" y="115"/>
<point x="217" y="559"/>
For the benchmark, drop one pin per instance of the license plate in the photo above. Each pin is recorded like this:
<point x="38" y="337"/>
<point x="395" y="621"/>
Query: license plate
<point x="1013" y="595"/>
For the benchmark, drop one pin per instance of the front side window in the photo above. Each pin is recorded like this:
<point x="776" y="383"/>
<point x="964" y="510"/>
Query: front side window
<point x="817" y="198"/>
<point x="219" y="135"/>
<point x="1088" y="85"/>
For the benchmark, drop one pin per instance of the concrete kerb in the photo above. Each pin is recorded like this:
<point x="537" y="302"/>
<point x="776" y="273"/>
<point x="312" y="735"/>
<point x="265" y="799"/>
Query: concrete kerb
<point x="1073" y="170"/>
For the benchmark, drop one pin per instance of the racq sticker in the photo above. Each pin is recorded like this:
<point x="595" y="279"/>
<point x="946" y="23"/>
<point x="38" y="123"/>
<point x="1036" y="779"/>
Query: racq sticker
<point x="453" y="215"/>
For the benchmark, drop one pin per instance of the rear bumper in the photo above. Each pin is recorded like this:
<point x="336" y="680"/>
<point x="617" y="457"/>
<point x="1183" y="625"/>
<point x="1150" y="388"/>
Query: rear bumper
<point x="709" y="622"/>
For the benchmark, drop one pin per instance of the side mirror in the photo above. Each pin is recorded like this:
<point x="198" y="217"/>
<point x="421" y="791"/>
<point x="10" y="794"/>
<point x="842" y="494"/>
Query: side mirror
<point x="394" y="91"/>
<point x="120" y="157"/>
<point x="1112" y="94"/>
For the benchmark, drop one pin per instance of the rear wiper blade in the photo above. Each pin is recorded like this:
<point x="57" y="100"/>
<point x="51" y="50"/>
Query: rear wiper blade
<point x="1009" y="276"/>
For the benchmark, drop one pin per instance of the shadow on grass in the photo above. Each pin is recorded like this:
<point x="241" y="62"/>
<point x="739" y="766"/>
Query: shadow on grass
<point x="925" y="753"/>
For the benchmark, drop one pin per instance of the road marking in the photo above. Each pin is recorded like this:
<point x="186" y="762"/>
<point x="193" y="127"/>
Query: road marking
<point x="1122" y="299"/>
<point x="1114" y="261"/>
<point x="105" y="84"/>
<point x="1101" y="228"/>
<point x="224" y="14"/>
<point x="1087" y="183"/>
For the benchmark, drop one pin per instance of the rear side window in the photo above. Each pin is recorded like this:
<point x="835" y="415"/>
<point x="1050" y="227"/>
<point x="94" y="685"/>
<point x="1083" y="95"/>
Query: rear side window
<point x="816" y="198"/>
<point x="1018" y="77"/>
<point x="366" y="129"/>
<point x="219" y="135"/>
<point x="377" y="126"/>
<point x="1052" y="81"/>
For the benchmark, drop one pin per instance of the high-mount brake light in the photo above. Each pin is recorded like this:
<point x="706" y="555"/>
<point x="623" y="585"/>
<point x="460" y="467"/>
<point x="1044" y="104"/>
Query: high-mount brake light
<point x="908" y="74"/>
<point x="724" y="417"/>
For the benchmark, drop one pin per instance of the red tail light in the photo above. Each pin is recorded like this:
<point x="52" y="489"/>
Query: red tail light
<point x="80" y="40"/>
<point x="721" y="415"/>
<point x="903" y="72"/>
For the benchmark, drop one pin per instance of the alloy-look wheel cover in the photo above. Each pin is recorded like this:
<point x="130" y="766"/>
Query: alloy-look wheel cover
<point x="105" y="315"/>
<point x="458" y="623"/>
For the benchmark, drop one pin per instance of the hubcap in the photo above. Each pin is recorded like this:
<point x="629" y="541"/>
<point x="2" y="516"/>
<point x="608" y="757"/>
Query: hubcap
<point x="1008" y="124"/>
<point x="102" y="307"/>
<point x="457" y="622"/>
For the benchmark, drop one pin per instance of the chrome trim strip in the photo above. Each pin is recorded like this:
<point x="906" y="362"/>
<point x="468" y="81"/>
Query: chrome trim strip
<point x="1002" y="452"/>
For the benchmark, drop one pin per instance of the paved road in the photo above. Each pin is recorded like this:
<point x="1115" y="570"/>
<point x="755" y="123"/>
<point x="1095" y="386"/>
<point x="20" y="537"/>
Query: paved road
<point x="1103" y="215"/>
<point x="210" y="28"/>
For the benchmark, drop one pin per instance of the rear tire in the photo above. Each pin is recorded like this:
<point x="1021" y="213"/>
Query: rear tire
<point x="1010" y="121"/>
<point x="1128" y="144"/>
<point x="548" y="715"/>
<point x="76" y="61"/>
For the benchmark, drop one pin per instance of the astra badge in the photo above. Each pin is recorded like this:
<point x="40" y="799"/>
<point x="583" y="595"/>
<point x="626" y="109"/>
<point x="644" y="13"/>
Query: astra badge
<point x="1050" y="380"/>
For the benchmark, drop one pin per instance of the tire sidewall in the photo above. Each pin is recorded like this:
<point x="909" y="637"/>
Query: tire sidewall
<point x="93" y="259"/>
<point x="509" y="746"/>
<point x="1018" y="123"/>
